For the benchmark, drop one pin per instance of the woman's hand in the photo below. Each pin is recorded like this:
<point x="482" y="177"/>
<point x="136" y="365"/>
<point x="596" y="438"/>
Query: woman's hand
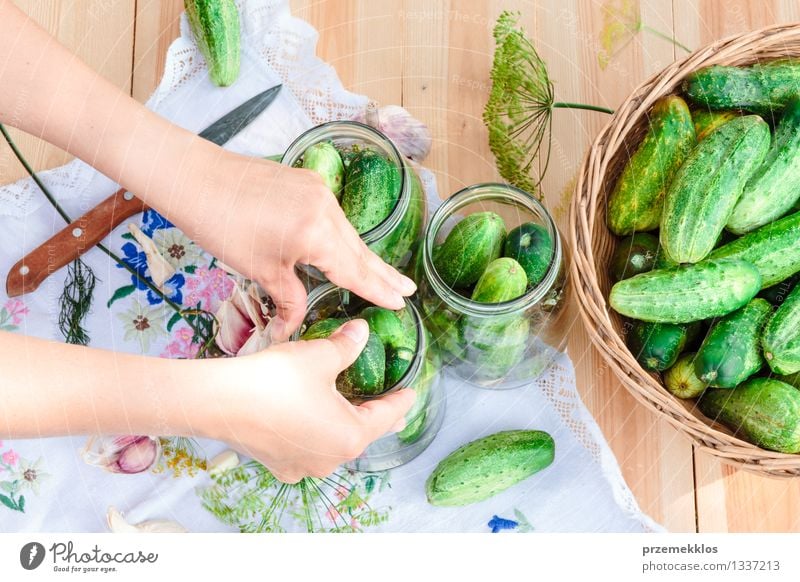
<point x="263" y="218"/>
<point x="275" y="407"/>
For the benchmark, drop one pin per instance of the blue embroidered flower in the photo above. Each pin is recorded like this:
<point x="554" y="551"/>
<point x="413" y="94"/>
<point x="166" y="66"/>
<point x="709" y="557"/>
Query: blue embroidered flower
<point x="500" y="523"/>
<point x="153" y="221"/>
<point x="137" y="260"/>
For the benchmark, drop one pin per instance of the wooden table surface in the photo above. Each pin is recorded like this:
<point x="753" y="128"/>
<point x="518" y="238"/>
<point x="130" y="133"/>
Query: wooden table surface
<point x="434" y="59"/>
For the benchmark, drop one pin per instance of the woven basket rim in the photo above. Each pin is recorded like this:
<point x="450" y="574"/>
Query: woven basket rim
<point x="588" y="204"/>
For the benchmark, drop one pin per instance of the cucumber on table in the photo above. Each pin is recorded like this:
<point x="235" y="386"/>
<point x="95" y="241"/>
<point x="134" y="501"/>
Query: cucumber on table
<point x="731" y="352"/>
<point x="215" y="25"/>
<point x="775" y="187"/>
<point x="773" y="249"/>
<point x="781" y="338"/>
<point x="637" y="199"/>
<point x="488" y="466"/>
<point x="503" y="280"/>
<point x="531" y="246"/>
<point x="470" y="246"/>
<point x="687" y="293"/>
<point x="371" y="189"/>
<point x="705" y="189"/>
<point x="763" y="411"/>
<point x="761" y="88"/>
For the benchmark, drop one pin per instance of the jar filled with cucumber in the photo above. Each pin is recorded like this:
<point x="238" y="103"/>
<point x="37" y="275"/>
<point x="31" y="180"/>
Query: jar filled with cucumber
<point x="377" y="188"/>
<point x="705" y="271"/>
<point x="397" y="354"/>
<point x="492" y="282"/>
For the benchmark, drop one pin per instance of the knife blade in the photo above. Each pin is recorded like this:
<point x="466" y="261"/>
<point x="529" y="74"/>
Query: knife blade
<point x="83" y="233"/>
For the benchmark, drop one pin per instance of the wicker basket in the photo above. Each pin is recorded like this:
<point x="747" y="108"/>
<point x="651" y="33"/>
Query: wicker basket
<point x="593" y="245"/>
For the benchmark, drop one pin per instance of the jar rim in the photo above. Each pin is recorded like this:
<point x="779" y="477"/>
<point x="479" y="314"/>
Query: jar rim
<point x="325" y="290"/>
<point x="388" y="224"/>
<point x="481" y="192"/>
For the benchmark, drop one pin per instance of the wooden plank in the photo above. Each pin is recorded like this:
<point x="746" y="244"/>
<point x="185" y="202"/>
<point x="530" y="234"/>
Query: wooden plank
<point x="730" y="499"/>
<point x="101" y="33"/>
<point x="655" y="460"/>
<point x="157" y="25"/>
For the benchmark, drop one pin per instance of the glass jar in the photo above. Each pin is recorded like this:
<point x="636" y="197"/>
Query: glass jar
<point x="397" y="237"/>
<point x="424" y="419"/>
<point x="494" y="345"/>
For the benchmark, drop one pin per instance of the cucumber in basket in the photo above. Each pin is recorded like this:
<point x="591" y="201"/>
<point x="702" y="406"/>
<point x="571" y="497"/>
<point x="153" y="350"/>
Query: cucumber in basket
<point x="487" y="466"/>
<point x="688" y="292"/>
<point x="656" y="346"/>
<point x="763" y="411"/>
<point x="638" y="197"/>
<point x="634" y="255"/>
<point x="781" y="338"/>
<point x="701" y="197"/>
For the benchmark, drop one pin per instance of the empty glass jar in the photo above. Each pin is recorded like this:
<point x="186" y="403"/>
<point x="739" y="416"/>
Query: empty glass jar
<point x="494" y="345"/>
<point x="424" y="419"/>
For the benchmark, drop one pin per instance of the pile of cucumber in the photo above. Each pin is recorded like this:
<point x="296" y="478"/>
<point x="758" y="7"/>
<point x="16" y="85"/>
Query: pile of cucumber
<point x="706" y="274"/>
<point x="365" y="182"/>
<point x="385" y="359"/>
<point x="480" y="261"/>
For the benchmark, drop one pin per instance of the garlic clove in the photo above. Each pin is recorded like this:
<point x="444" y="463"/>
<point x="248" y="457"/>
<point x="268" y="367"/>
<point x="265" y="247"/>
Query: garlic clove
<point x="411" y="136"/>
<point x="258" y="341"/>
<point x="235" y="327"/>
<point x="225" y="461"/>
<point x="139" y="456"/>
<point x="127" y="454"/>
<point x="160" y="269"/>
<point x="118" y="524"/>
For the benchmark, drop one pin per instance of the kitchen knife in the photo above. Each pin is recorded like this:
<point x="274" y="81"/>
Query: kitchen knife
<point x="82" y="234"/>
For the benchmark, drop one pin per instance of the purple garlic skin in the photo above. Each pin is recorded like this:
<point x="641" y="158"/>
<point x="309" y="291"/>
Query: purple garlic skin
<point x="411" y="136"/>
<point x="127" y="454"/>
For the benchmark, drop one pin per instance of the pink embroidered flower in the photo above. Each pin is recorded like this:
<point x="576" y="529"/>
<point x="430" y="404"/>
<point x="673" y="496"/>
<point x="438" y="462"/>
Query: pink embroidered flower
<point x="10" y="457"/>
<point x="181" y="345"/>
<point x="208" y="287"/>
<point x="17" y="310"/>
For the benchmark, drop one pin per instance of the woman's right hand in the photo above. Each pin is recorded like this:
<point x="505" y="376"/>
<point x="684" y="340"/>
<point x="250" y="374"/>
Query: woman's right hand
<point x="281" y="406"/>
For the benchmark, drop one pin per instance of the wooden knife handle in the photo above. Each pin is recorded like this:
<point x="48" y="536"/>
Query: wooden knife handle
<point x="69" y="244"/>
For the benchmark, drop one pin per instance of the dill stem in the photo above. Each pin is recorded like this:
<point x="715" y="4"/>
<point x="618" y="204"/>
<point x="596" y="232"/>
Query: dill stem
<point x="566" y="105"/>
<point x="666" y="37"/>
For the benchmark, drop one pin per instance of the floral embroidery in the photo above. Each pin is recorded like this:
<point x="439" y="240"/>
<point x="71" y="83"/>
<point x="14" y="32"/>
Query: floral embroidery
<point x="143" y="324"/>
<point x="137" y="260"/>
<point x="12" y="313"/>
<point x="153" y="221"/>
<point x="521" y="525"/>
<point x="208" y="288"/>
<point x="181" y="345"/>
<point x="176" y="248"/>
<point x="16" y="476"/>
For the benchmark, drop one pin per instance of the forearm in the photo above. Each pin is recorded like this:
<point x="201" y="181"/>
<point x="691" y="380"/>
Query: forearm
<point x="53" y="389"/>
<point x="47" y="91"/>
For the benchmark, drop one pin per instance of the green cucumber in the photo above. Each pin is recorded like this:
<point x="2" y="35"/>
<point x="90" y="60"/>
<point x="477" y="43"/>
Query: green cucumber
<point x="397" y="363"/>
<point x="781" y="338"/>
<point x="445" y="331"/>
<point x="503" y="280"/>
<point x="389" y="327"/>
<point x="731" y="352"/>
<point x="708" y="185"/>
<point x="469" y="248"/>
<point x="763" y="411"/>
<point x="681" y="379"/>
<point x="397" y="247"/>
<point x="775" y="187"/>
<point x="634" y="255"/>
<point x="487" y="466"/>
<point x="215" y="25"/>
<point x="687" y="293"/>
<point x="531" y="246"/>
<point x="365" y="377"/>
<point x="636" y="202"/>
<point x="322" y="328"/>
<point x="325" y="160"/>
<point x="417" y="418"/>
<point x="773" y="249"/>
<point x="495" y="345"/>
<point x="656" y="346"/>
<point x="371" y="189"/>
<point x="761" y="88"/>
<point x="706" y="121"/>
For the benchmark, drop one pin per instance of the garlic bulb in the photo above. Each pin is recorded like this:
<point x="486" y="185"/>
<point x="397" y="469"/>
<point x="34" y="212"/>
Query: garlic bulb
<point x="123" y="454"/>
<point x="411" y="136"/>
